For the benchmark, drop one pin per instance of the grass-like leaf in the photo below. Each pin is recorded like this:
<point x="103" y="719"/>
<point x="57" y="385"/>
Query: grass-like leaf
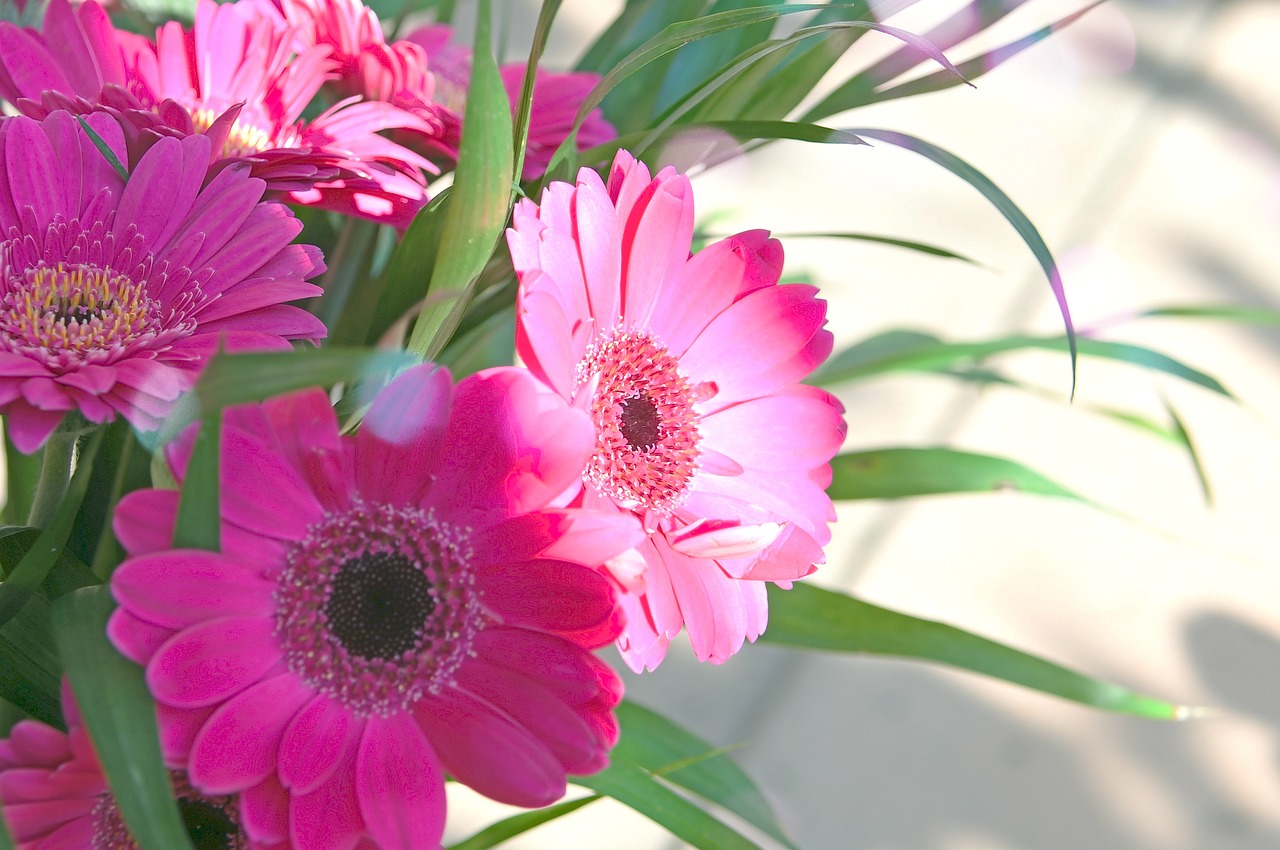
<point x="24" y="580"/>
<point x="813" y="618"/>
<point x="477" y="211"/>
<point x="654" y="744"/>
<point x="103" y="148"/>
<point x="120" y="714"/>
<point x="914" y="351"/>
<point x="1001" y="202"/>
<point x="524" y="109"/>
<point x="508" y="828"/>
<point x="23" y="473"/>
<point x="29" y="667"/>
<point x="906" y="472"/>
<point x="717" y="134"/>
<point x="199" y="521"/>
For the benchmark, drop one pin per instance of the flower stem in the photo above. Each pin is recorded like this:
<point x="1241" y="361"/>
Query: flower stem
<point x="55" y="472"/>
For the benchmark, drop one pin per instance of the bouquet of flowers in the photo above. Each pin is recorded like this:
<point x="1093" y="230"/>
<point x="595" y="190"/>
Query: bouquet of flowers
<point x="367" y="402"/>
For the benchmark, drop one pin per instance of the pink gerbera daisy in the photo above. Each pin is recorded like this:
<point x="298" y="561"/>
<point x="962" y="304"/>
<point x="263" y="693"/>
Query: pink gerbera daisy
<point x="386" y="606"/>
<point x="55" y="796"/>
<point x="688" y="367"/>
<point x="113" y="293"/>
<point x="236" y="77"/>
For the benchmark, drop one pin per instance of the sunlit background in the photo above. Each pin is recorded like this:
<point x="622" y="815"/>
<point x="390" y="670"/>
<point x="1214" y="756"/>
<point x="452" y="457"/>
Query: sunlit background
<point x="1144" y="142"/>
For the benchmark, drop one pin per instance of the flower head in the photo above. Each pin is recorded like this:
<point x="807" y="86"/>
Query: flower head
<point x="55" y="796"/>
<point x="112" y="293"/>
<point x="688" y="367"/>
<point x="236" y="77"/>
<point x="385" y="607"/>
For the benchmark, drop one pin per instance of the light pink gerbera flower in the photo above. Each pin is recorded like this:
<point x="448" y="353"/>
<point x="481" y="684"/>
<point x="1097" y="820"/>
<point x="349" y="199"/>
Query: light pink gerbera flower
<point x="236" y="77"/>
<point x="688" y="367"/>
<point x="386" y="606"/>
<point x="113" y="294"/>
<point x="55" y="796"/>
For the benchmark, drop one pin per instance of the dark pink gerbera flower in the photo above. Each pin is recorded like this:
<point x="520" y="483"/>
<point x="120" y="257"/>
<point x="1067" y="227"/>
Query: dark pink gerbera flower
<point x="688" y="367"/>
<point x="235" y="76"/>
<point x="112" y="293"/>
<point x="386" y="606"/>
<point x="427" y="74"/>
<point x="55" y="796"/>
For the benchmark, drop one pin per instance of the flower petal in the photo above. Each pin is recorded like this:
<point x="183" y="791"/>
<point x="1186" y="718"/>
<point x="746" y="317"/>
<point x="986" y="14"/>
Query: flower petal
<point x="399" y="785"/>
<point x="237" y="747"/>
<point x="213" y="660"/>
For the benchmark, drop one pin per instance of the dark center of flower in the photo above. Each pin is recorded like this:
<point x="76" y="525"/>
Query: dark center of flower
<point x="379" y="604"/>
<point x="646" y="425"/>
<point x="207" y="825"/>
<point x="640" y="422"/>
<point x="75" y="311"/>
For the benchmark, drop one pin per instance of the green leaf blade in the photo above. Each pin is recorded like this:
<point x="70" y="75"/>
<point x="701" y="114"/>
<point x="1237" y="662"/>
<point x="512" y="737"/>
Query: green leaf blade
<point x="118" y="710"/>
<point x="813" y="618"/>
<point x="908" y="472"/>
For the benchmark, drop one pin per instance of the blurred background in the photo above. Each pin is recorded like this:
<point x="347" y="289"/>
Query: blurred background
<point x="1144" y="142"/>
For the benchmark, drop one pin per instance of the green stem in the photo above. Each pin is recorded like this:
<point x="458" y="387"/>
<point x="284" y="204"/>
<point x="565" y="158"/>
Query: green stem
<point x="55" y="472"/>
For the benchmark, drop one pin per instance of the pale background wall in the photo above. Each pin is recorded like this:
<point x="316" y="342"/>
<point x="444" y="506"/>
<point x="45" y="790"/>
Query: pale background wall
<point x="1145" y="144"/>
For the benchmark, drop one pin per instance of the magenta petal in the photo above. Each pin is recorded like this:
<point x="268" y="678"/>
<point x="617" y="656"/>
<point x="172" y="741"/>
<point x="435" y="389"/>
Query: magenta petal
<point x="319" y="738"/>
<point x="135" y="638"/>
<point x="400" y="440"/>
<point x="264" y="811"/>
<point x="181" y="587"/>
<point x="553" y="595"/>
<point x="329" y="817"/>
<point x="399" y="785"/>
<point x="237" y="747"/>
<point x="211" y="661"/>
<point x="178" y="730"/>
<point x="144" y="520"/>
<point x="484" y="748"/>
<point x="261" y="492"/>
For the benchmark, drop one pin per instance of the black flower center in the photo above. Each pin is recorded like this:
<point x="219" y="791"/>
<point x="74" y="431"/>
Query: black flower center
<point x="379" y="605"/>
<point x="207" y="824"/>
<point x="640" y="422"/>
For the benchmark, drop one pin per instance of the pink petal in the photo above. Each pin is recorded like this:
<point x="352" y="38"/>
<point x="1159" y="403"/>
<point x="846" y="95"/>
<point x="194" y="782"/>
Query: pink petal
<point x="144" y="520"/>
<point x="237" y="747"/>
<point x="655" y="243"/>
<point x="329" y="817"/>
<point x="264" y="811"/>
<point x="401" y="438"/>
<point x="319" y="738"/>
<point x="135" y="638"/>
<point x="182" y="587"/>
<point x="399" y="785"/>
<point x="556" y="596"/>
<point x="485" y="749"/>
<point x="210" y="662"/>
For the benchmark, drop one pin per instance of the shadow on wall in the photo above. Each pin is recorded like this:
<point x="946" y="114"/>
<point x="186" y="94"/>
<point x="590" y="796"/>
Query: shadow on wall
<point x="872" y="753"/>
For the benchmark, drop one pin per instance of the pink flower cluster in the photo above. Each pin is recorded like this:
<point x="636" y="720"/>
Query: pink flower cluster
<point x="423" y="596"/>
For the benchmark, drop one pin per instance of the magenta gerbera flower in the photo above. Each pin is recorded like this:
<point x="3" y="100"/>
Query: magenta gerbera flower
<point x="386" y="606"/>
<point x="688" y="367"/>
<point x="237" y="77"/>
<point x="55" y="796"/>
<point x="112" y="293"/>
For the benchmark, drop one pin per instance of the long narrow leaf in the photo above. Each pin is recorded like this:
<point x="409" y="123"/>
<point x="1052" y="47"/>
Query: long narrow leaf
<point x="652" y="743"/>
<point x="524" y="109"/>
<point x="718" y="134"/>
<point x="481" y="200"/>
<point x="908" y="472"/>
<point x="23" y="472"/>
<point x="199" y="521"/>
<point x="6" y="842"/>
<point x="1001" y="202"/>
<point x="29" y="668"/>
<point x="508" y="828"/>
<point x="117" y="708"/>
<point x="812" y="618"/>
<point x="910" y="350"/>
<point x="24" y="580"/>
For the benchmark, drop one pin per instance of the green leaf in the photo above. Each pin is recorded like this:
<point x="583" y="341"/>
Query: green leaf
<point x="29" y="668"/>
<point x="199" y="521"/>
<point x="508" y="828"/>
<point x="1229" y="312"/>
<point x="121" y="717"/>
<point x="22" y="582"/>
<point x="915" y="351"/>
<point x="103" y="148"/>
<point x="717" y="133"/>
<point x="490" y="343"/>
<point x="6" y="842"/>
<point x="481" y="200"/>
<point x="1001" y="202"/>
<point x="701" y="60"/>
<point x="910" y="245"/>
<point x="812" y="618"/>
<point x="652" y="743"/>
<point x="972" y="68"/>
<point x="524" y="109"/>
<point x="904" y="472"/>
<point x="23" y="475"/>
<point x="1180" y="429"/>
